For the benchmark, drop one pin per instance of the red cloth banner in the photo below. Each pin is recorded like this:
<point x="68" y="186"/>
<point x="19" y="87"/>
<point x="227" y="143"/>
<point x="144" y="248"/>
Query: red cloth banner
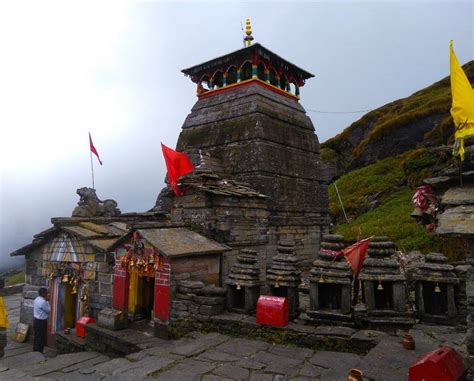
<point x="177" y="165"/>
<point x="355" y="255"/>
<point x="93" y="150"/>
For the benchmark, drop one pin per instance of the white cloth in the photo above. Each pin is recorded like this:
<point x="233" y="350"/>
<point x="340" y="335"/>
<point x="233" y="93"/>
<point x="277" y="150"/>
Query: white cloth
<point x="41" y="308"/>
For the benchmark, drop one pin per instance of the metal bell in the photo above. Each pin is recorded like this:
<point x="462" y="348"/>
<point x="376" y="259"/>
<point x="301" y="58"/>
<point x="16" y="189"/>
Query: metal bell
<point x="380" y="287"/>
<point x="437" y="289"/>
<point x="238" y="286"/>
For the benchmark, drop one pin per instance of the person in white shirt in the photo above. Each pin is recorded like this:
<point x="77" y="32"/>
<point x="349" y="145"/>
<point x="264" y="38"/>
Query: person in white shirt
<point x="41" y="310"/>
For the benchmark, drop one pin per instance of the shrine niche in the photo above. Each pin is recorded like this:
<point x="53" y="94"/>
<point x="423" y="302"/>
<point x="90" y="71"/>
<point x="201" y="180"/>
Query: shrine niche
<point x="331" y="284"/>
<point x="384" y="286"/>
<point x="146" y="262"/>
<point x="243" y="283"/>
<point x="284" y="278"/>
<point x="435" y="283"/>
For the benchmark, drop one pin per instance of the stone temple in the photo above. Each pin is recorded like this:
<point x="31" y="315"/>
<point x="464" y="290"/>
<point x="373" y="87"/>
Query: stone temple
<point x="258" y="185"/>
<point x="247" y="125"/>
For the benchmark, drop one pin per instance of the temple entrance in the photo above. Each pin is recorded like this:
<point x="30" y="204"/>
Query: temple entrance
<point x="330" y="296"/>
<point x="383" y="295"/>
<point x="435" y="298"/>
<point x="141" y="297"/>
<point x="70" y="307"/>
<point x="64" y="306"/>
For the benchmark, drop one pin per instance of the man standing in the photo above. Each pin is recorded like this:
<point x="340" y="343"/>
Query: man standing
<point x="41" y="311"/>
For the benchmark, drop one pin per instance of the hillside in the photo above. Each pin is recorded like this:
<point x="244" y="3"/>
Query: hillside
<point x="420" y="120"/>
<point x="377" y="200"/>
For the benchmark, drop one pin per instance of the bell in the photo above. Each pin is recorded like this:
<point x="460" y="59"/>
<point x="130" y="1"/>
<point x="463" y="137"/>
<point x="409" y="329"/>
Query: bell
<point x="321" y="279"/>
<point x="437" y="289"/>
<point x="74" y="290"/>
<point x="238" y="286"/>
<point x="380" y="287"/>
<point x="65" y="278"/>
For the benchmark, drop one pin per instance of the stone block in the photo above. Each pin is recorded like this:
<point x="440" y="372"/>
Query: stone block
<point x="211" y="310"/>
<point x="29" y="288"/>
<point x="30" y="294"/>
<point x="104" y="267"/>
<point x="112" y="319"/>
<point x="105" y="300"/>
<point x="209" y="300"/>
<point x="105" y="289"/>
<point x="26" y="312"/>
<point x="105" y="278"/>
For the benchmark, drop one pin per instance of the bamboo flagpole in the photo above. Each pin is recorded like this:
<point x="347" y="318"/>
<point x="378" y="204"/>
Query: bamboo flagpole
<point x="93" y="150"/>
<point x="92" y="171"/>
<point x="340" y="201"/>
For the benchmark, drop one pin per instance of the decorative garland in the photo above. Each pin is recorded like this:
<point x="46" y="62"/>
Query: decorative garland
<point x="66" y="274"/>
<point x="138" y="260"/>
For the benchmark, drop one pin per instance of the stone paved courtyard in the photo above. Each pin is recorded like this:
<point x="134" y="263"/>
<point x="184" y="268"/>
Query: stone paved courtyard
<point x="214" y="356"/>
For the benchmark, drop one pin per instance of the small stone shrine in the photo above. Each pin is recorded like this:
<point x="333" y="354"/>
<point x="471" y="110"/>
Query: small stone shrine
<point x="243" y="283"/>
<point x="454" y="188"/>
<point x="434" y="290"/>
<point x="284" y="278"/>
<point x="384" y="286"/>
<point x="330" y="284"/>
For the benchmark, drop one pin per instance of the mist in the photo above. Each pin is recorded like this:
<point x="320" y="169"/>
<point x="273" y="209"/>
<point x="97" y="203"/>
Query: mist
<point x="113" y="69"/>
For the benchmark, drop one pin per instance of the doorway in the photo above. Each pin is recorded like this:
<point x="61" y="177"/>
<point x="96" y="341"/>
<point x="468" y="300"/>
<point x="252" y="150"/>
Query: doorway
<point x="141" y="296"/>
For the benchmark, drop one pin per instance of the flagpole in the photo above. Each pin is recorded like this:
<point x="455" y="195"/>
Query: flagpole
<point x="92" y="171"/>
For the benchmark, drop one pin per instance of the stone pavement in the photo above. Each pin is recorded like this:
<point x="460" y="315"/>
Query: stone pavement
<point x="213" y="356"/>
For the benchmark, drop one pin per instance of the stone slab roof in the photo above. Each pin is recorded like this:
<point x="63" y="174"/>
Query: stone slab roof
<point x="176" y="241"/>
<point x="99" y="236"/>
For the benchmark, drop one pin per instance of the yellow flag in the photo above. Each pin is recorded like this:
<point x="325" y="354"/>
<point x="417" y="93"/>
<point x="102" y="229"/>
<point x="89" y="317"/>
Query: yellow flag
<point x="462" y="108"/>
<point x="3" y="314"/>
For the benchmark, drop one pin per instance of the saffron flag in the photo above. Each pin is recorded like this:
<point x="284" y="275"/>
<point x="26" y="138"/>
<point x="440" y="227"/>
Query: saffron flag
<point x="355" y="255"/>
<point x="462" y="109"/>
<point x="93" y="150"/>
<point x="3" y="314"/>
<point x="177" y="165"/>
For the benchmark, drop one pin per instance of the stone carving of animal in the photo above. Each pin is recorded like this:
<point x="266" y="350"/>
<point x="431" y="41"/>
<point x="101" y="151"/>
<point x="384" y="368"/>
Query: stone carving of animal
<point x="90" y="205"/>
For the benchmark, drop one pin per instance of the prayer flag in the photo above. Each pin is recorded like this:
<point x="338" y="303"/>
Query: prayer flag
<point x="355" y="255"/>
<point x="177" y="165"/>
<point x="462" y="109"/>
<point x="93" y="150"/>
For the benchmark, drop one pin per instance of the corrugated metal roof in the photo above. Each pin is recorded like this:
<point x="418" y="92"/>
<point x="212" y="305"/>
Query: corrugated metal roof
<point x="175" y="242"/>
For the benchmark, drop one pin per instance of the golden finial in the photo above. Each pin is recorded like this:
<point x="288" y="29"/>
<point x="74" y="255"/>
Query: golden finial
<point x="248" y="31"/>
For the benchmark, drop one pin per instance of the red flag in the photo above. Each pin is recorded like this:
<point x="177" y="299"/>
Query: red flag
<point x="177" y="165"/>
<point x="93" y="150"/>
<point x="355" y="255"/>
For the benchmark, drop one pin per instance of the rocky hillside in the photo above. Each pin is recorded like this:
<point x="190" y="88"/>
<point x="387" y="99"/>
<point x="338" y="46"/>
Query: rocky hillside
<point x="420" y="120"/>
<point x="380" y="159"/>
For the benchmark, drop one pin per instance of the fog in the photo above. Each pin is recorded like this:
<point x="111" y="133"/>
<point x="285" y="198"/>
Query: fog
<point x="113" y="68"/>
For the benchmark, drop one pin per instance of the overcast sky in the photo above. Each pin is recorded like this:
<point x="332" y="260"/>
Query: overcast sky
<point x="113" y="68"/>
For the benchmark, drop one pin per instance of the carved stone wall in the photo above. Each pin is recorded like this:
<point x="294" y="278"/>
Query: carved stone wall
<point x="267" y="140"/>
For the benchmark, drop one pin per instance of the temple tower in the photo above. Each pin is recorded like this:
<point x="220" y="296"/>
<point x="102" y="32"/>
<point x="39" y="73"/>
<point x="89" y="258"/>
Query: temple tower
<point x="248" y="116"/>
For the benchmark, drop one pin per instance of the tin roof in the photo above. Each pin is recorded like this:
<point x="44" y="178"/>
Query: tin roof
<point x="247" y="51"/>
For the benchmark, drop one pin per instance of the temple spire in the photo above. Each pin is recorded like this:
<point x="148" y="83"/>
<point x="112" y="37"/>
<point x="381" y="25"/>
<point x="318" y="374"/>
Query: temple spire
<point x="248" y="32"/>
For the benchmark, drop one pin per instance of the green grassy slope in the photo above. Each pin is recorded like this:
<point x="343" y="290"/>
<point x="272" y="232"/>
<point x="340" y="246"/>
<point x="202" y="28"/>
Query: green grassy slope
<point x="377" y="199"/>
<point x="384" y="121"/>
